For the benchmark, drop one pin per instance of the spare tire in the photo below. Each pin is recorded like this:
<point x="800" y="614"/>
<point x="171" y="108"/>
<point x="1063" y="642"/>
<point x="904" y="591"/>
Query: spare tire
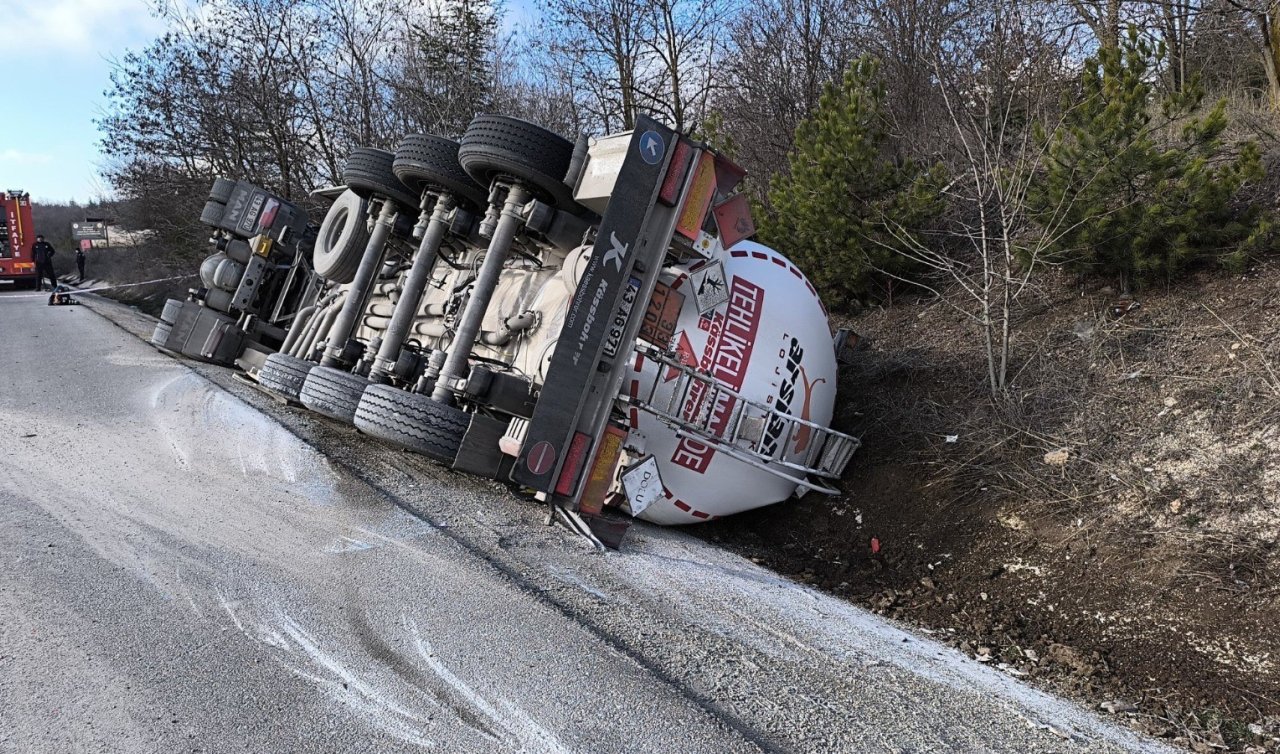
<point x="412" y="421"/>
<point x="283" y="374"/>
<point x="496" y="145"/>
<point x="221" y="191"/>
<point x="423" y="160"/>
<point x="368" y="172"/>
<point x="343" y="235"/>
<point x="332" y="392"/>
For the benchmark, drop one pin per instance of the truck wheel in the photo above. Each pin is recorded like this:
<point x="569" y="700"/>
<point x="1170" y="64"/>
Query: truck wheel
<point x="171" y="308"/>
<point x="368" y="171"/>
<point x="283" y="374"/>
<point x="423" y="160"/>
<point x="221" y="191"/>
<point x="213" y="212"/>
<point x="342" y="238"/>
<point x="332" y="392"/>
<point x="412" y="421"/>
<point x="496" y="145"/>
<point x="161" y="335"/>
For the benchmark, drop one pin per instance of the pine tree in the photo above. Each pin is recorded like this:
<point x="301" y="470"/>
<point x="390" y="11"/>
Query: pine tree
<point x="843" y="208"/>
<point x="1139" y="197"/>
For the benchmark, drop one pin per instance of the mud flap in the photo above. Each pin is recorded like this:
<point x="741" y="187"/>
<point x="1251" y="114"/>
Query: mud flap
<point x="609" y="528"/>
<point x="479" y="453"/>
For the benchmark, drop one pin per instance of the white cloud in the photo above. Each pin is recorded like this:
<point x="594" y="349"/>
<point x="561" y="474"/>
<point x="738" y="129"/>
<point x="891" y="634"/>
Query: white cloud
<point x="18" y="157"/>
<point x="32" y="29"/>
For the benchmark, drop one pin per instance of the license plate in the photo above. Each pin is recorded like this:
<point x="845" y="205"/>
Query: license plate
<point x="619" y="323"/>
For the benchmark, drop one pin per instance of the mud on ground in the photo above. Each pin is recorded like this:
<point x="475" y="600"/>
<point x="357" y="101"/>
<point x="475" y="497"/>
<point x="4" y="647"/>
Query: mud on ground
<point x="1108" y="530"/>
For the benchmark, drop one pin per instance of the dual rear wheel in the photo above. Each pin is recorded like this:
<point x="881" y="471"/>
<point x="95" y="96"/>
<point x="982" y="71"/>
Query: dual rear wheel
<point x="494" y="147"/>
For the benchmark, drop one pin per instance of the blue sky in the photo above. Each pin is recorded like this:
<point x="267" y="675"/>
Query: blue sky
<point x="53" y="71"/>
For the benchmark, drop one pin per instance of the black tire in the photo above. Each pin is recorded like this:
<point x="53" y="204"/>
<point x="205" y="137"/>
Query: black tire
<point x="368" y="172"/>
<point x="496" y="145"/>
<point x="283" y="374"/>
<point x="412" y="421"/>
<point x="342" y="238"/>
<point x="213" y="212"/>
<point x="171" y="308"/>
<point x="423" y="160"/>
<point x="160" y="337"/>
<point x="332" y="392"/>
<point x="221" y="191"/>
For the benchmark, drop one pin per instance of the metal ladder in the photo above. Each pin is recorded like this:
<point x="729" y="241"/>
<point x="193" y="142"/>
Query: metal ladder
<point x="743" y="434"/>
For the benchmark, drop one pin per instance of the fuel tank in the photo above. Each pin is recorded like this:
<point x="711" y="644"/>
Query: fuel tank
<point x="753" y="321"/>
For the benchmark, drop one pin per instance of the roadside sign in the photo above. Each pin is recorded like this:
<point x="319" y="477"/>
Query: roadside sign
<point x="89" y="231"/>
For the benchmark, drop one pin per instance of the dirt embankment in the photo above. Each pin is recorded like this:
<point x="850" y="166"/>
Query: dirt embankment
<point x="1108" y="529"/>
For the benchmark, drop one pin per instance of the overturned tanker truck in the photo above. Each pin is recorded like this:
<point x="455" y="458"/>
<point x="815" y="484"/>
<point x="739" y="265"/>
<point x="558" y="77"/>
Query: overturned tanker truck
<point x="584" y="320"/>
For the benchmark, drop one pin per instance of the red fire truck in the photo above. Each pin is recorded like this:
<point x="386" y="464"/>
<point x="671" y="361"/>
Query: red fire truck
<point x="16" y="261"/>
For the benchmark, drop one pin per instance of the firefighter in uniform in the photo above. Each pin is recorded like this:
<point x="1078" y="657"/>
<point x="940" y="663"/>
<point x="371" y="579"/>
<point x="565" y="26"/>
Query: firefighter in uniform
<point x="43" y="252"/>
<point x="80" y="264"/>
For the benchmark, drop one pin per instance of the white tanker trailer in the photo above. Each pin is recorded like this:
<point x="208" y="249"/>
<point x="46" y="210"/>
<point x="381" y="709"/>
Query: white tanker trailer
<point x="586" y="320"/>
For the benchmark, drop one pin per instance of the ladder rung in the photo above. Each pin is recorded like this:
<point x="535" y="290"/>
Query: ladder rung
<point x="697" y="399"/>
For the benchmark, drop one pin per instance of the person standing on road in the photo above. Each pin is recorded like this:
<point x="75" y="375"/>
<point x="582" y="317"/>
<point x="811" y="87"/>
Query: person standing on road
<point x="80" y="264"/>
<point x="43" y="252"/>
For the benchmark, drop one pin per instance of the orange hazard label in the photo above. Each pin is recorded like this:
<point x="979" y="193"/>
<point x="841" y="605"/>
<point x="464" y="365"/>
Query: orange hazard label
<point x="701" y="191"/>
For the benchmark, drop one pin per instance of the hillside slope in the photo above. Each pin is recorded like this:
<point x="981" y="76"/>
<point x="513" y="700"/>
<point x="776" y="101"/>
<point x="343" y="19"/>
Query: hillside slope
<point x="1110" y="528"/>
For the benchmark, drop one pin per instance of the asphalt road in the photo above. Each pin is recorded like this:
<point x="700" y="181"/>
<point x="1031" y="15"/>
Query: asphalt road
<point x="187" y="566"/>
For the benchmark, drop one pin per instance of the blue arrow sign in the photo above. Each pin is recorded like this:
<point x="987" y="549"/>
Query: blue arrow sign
<point x="652" y="147"/>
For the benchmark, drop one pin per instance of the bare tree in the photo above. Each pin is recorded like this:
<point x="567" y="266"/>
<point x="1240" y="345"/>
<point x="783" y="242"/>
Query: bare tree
<point x="685" y="44"/>
<point x="1265" y="15"/>
<point x="601" y="45"/>
<point x="277" y="92"/>
<point x="1103" y="17"/>
<point x="784" y="53"/>
<point x="991" y="107"/>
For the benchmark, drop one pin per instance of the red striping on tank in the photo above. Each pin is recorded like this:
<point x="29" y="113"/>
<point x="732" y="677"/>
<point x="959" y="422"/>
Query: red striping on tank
<point x="796" y="272"/>
<point x="682" y="505"/>
<point x="679" y="282"/>
<point x="759" y="255"/>
<point x="699" y="265"/>
<point x="739" y="254"/>
<point x="634" y="391"/>
<point x="639" y="361"/>
<point x="778" y="261"/>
